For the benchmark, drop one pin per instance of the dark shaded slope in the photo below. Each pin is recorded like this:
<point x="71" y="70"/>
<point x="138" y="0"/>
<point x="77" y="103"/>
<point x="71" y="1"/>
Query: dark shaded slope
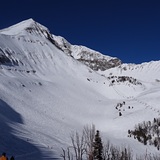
<point x="12" y="144"/>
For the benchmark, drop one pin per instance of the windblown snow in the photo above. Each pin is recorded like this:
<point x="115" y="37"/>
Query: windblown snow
<point x="46" y="94"/>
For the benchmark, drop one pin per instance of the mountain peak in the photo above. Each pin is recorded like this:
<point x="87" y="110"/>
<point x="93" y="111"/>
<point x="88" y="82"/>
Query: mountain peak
<point x="22" y="26"/>
<point x="93" y="59"/>
<point x="27" y="21"/>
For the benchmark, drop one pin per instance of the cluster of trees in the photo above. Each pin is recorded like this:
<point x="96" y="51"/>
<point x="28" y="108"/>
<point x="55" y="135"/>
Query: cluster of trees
<point x="119" y="107"/>
<point x="82" y="146"/>
<point x="89" y="146"/>
<point x="147" y="132"/>
<point x="118" y="79"/>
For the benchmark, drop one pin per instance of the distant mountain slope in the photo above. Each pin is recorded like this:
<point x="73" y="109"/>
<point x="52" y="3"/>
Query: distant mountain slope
<point x="149" y="70"/>
<point x="46" y="93"/>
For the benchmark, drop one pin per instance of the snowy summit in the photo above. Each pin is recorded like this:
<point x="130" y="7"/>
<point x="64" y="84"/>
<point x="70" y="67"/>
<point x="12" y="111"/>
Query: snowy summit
<point x="50" y="88"/>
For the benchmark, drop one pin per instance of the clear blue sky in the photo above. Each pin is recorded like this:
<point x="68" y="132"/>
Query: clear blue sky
<point x="127" y="29"/>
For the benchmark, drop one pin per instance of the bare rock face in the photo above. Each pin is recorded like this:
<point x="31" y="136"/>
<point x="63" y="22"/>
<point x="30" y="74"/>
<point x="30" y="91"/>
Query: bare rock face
<point x="100" y="63"/>
<point x="6" y="57"/>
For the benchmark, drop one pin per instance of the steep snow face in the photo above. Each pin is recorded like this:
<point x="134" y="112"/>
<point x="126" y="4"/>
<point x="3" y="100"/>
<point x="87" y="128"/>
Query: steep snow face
<point x="46" y="94"/>
<point x="32" y="49"/>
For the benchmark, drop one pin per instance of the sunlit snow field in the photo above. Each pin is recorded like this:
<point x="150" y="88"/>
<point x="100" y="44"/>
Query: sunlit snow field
<point x="45" y="95"/>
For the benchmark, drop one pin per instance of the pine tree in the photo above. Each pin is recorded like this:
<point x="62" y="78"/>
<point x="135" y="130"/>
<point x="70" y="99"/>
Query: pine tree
<point x="98" y="147"/>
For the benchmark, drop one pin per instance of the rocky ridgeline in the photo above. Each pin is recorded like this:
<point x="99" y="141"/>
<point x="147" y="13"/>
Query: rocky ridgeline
<point x="99" y="63"/>
<point x="93" y="59"/>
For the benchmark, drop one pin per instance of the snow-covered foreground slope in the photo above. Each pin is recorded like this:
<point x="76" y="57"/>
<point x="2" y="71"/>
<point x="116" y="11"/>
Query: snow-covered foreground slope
<point x="45" y="95"/>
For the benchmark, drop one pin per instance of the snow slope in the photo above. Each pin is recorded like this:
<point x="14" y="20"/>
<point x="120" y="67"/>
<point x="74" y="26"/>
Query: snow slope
<point x="46" y="94"/>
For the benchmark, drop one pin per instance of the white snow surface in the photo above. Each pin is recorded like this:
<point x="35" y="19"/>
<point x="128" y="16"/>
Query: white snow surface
<point x="20" y="27"/>
<point x="47" y="95"/>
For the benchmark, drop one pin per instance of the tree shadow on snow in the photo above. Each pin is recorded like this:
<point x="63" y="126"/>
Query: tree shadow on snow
<point x="13" y="145"/>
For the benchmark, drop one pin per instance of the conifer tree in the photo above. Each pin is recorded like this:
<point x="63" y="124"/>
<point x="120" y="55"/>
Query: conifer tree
<point x="98" y="147"/>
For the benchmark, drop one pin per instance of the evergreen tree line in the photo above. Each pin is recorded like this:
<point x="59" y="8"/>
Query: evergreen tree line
<point x="147" y="133"/>
<point x="89" y="146"/>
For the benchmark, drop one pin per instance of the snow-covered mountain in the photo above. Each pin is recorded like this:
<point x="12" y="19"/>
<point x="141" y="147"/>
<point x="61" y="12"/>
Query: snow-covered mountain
<point x="95" y="60"/>
<point x="50" y="88"/>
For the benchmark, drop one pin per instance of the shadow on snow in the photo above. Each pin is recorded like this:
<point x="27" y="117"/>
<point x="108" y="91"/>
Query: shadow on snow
<point x="14" y="145"/>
